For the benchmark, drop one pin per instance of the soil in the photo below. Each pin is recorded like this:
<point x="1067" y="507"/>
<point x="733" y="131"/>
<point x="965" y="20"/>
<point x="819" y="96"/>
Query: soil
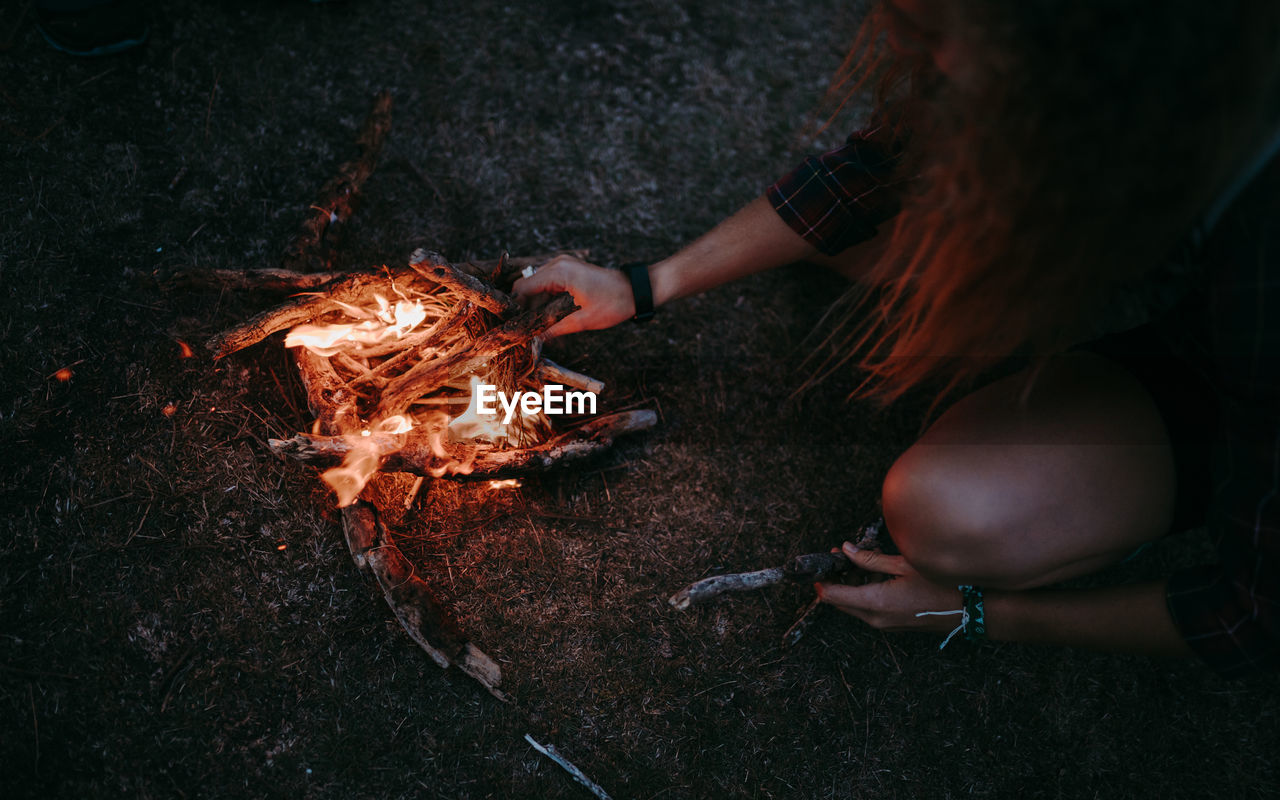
<point x="179" y="615"/>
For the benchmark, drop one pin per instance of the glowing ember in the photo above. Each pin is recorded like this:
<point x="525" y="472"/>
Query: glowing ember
<point x="63" y="374"/>
<point x="184" y="349"/>
<point x="509" y="483"/>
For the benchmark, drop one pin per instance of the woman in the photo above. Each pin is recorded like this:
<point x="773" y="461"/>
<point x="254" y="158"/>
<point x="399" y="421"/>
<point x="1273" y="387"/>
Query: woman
<point x="1027" y="158"/>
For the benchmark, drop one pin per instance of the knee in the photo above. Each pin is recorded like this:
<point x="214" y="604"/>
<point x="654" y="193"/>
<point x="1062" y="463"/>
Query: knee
<point x="940" y="514"/>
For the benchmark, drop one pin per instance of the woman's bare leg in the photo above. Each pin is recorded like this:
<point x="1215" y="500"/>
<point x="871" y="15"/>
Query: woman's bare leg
<point x="1013" y="496"/>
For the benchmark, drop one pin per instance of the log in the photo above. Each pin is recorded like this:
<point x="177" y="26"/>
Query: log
<point x="412" y="452"/>
<point x="353" y="289"/>
<point x="332" y="403"/>
<point x="809" y="567"/>
<point x="469" y="287"/>
<point x="426" y="376"/>
<point x="315" y="247"/>
<point x="419" y="610"/>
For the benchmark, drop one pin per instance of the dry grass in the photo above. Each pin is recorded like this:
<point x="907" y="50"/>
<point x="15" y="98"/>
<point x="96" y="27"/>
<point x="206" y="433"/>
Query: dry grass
<point x="156" y="642"/>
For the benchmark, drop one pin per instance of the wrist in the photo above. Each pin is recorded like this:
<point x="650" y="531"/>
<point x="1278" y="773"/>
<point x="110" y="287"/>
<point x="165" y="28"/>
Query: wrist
<point x="664" y="278"/>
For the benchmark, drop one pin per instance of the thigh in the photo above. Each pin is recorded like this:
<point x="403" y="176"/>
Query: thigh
<point x="1035" y="478"/>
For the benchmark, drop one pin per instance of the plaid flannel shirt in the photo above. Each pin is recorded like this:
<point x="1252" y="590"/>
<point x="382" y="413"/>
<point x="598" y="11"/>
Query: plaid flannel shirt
<point x="1227" y="612"/>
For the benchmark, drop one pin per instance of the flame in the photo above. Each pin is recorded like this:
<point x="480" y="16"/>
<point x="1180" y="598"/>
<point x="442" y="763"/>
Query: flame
<point x="375" y="326"/>
<point x="365" y="334"/>
<point x="471" y="424"/>
<point x="362" y="460"/>
<point x="185" y="349"/>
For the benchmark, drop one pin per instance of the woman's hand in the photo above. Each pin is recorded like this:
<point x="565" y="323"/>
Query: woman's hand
<point x="603" y="296"/>
<point x="892" y="602"/>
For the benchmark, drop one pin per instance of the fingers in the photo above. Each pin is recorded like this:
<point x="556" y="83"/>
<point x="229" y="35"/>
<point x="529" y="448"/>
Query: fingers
<point x="858" y="601"/>
<point x="552" y="277"/>
<point x="603" y="295"/>
<point x="875" y="561"/>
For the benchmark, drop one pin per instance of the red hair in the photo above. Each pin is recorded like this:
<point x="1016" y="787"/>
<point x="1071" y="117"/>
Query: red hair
<point x="1079" y="151"/>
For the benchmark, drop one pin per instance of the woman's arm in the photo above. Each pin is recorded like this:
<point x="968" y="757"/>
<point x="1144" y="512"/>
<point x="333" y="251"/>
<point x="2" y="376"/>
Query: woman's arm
<point x="752" y="240"/>
<point x="1133" y="618"/>
<point x="1124" y="619"/>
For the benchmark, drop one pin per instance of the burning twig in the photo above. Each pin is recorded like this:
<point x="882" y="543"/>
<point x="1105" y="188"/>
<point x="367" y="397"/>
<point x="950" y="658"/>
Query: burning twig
<point x="416" y="453"/>
<point x="810" y="567"/>
<point x="428" y="375"/>
<point x="353" y="289"/>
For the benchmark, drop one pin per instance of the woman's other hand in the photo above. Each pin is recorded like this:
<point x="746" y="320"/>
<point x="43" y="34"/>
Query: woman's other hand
<point x="603" y="295"/>
<point x="894" y="601"/>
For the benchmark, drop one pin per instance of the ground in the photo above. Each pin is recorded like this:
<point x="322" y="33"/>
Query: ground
<point x="178" y="612"/>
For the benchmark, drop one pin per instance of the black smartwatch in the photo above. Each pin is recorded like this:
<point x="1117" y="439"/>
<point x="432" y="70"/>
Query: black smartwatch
<point x="638" y="273"/>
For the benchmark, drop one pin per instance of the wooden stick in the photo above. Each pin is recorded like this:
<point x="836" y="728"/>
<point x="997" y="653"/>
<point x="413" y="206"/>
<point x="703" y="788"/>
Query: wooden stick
<point x="421" y="613"/>
<point x="412" y="452"/>
<point x="549" y="372"/>
<point x="550" y="752"/>
<point x="471" y="288"/>
<point x="428" y="375"/>
<point x="503" y="272"/>
<point x="331" y="402"/>
<point x="426" y="620"/>
<point x="810" y="567"/>
<point x="315" y="246"/>
<point x="353" y="289"/>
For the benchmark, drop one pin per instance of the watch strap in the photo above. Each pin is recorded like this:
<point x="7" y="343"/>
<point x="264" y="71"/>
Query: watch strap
<point x="638" y="273"/>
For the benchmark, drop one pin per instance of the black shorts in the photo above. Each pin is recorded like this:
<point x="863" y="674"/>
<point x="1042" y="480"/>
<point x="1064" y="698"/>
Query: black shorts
<point x="1164" y="356"/>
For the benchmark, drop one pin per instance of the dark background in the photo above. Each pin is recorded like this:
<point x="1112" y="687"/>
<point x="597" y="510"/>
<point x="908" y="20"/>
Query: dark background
<point x="156" y="642"/>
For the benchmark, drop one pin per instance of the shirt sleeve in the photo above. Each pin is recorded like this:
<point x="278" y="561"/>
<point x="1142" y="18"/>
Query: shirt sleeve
<point x="837" y="199"/>
<point x="1227" y="612"/>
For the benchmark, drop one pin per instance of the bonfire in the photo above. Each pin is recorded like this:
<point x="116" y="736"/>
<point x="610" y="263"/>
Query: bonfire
<point x="396" y="362"/>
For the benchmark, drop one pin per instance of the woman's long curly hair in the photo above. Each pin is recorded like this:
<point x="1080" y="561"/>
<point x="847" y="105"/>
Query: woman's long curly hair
<point x="1081" y="145"/>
